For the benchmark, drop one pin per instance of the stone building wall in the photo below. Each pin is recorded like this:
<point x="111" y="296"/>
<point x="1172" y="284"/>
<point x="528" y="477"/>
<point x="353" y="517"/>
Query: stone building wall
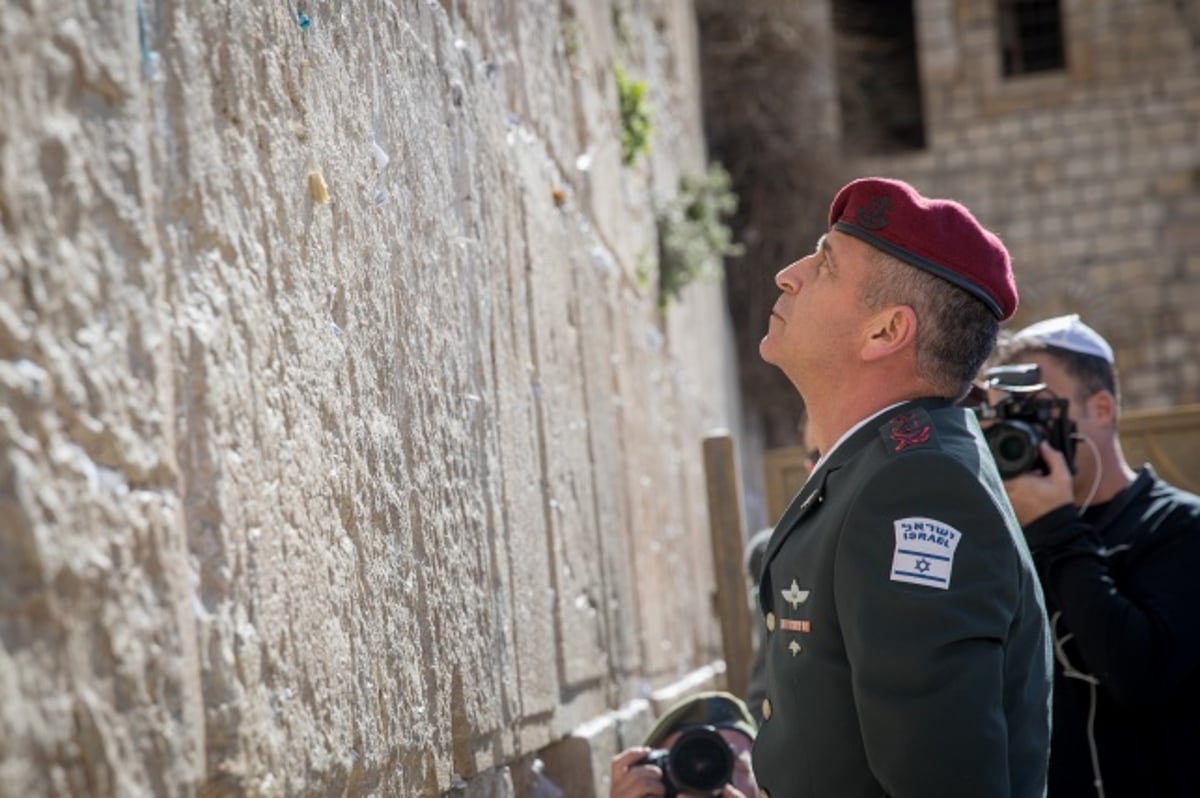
<point x="1091" y="174"/>
<point x="343" y="451"/>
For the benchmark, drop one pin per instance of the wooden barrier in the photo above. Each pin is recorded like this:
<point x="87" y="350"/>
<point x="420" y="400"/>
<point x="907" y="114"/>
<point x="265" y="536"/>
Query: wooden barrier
<point x="785" y="470"/>
<point x="728" y="531"/>
<point x="1167" y="439"/>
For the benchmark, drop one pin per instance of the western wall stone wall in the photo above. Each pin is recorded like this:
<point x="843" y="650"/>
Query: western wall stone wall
<point x="342" y="449"/>
<point x="1091" y="175"/>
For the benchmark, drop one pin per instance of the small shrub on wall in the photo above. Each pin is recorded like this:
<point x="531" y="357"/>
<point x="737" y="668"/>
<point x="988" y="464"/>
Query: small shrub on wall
<point x="693" y="238"/>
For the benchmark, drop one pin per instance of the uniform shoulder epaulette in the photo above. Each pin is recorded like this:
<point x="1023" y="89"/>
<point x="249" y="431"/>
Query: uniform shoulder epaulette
<point x="911" y="428"/>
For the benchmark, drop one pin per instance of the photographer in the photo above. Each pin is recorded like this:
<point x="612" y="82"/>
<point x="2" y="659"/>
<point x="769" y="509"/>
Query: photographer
<point x="1117" y="552"/>
<point x="632" y="776"/>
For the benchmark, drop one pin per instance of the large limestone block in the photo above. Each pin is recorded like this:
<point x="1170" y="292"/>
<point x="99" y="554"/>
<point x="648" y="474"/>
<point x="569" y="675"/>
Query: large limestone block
<point x="601" y="313"/>
<point x="563" y="429"/>
<point x="98" y="678"/>
<point x="578" y="765"/>
<point x="671" y="595"/>
<point x="524" y="512"/>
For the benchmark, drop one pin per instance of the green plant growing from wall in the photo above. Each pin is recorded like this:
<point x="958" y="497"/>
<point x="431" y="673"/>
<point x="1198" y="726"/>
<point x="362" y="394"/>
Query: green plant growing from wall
<point x="644" y="267"/>
<point x="571" y="40"/>
<point x="693" y="238"/>
<point x="635" y="116"/>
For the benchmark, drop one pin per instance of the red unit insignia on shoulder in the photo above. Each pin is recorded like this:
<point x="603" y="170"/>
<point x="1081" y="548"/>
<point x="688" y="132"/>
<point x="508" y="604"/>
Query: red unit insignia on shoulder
<point x="912" y="428"/>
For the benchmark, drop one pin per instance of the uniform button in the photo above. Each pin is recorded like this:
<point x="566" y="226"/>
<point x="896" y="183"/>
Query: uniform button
<point x="766" y="708"/>
<point x="770" y="622"/>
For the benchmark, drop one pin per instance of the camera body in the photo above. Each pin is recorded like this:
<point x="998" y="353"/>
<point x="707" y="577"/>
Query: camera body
<point x="1019" y="421"/>
<point x="699" y="762"/>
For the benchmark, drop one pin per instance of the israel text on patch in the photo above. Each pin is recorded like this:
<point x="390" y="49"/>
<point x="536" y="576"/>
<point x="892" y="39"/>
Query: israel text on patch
<point x="924" y="553"/>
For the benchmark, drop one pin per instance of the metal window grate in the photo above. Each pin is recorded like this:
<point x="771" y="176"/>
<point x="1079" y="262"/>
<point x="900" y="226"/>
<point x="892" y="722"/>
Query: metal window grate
<point x="1031" y="36"/>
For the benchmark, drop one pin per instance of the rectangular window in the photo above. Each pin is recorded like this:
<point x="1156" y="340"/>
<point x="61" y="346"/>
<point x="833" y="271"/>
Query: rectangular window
<point x="879" y="82"/>
<point x="1031" y="36"/>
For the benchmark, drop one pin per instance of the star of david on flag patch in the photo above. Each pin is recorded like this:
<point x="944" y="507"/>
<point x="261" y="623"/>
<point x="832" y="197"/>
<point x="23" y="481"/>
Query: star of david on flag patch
<point x="924" y="552"/>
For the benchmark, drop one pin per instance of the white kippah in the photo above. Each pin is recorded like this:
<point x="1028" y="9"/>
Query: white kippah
<point x="1067" y="332"/>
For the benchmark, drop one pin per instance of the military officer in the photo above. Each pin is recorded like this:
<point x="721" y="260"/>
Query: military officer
<point x="907" y="644"/>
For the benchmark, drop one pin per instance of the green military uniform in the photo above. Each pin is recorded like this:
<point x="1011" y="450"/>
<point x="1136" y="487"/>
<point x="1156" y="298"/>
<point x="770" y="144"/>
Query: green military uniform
<point x="908" y="652"/>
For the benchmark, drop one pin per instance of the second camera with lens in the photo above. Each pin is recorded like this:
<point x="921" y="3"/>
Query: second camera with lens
<point x="700" y="762"/>
<point x="1017" y="423"/>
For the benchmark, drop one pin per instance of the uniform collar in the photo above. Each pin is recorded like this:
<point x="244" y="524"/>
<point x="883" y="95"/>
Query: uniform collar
<point x="849" y="445"/>
<point x="867" y="430"/>
<point x="845" y="435"/>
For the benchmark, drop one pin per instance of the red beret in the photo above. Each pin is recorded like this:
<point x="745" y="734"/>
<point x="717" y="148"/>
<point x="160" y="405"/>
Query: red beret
<point x="937" y="235"/>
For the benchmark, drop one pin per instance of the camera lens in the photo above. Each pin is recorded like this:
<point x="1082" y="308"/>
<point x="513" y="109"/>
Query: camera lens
<point x="701" y="761"/>
<point x="1014" y="446"/>
<point x="1011" y="448"/>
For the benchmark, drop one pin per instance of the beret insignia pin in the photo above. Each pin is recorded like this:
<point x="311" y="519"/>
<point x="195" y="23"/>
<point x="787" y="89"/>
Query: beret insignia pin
<point x="873" y="215"/>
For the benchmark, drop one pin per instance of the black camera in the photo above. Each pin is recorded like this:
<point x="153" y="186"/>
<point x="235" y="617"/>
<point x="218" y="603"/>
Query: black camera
<point x="1020" y="421"/>
<point x="700" y="762"/>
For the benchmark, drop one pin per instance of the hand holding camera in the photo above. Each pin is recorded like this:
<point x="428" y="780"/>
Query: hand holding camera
<point x="1033" y="494"/>
<point x="699" y="763"/>
<point x="1031" y="439"/>
<point x="1020" y="421"/>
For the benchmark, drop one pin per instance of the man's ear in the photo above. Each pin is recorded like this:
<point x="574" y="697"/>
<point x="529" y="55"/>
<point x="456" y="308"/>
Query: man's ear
<point x="889" y="331"/>
<point x="1102" y="407"/>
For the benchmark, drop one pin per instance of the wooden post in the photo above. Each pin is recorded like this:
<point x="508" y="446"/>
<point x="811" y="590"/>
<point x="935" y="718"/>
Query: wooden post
<point x="728" y="531"/>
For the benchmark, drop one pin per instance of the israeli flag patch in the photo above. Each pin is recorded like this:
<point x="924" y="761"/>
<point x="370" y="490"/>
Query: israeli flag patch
<point x="924" y="552"/>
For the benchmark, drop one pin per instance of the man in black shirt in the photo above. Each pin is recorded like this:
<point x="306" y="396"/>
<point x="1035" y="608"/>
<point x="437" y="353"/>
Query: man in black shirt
<point x="1118" y="552"/>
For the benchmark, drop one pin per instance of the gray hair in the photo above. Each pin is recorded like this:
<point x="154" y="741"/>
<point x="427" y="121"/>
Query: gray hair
<point x="955" y="331"/>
